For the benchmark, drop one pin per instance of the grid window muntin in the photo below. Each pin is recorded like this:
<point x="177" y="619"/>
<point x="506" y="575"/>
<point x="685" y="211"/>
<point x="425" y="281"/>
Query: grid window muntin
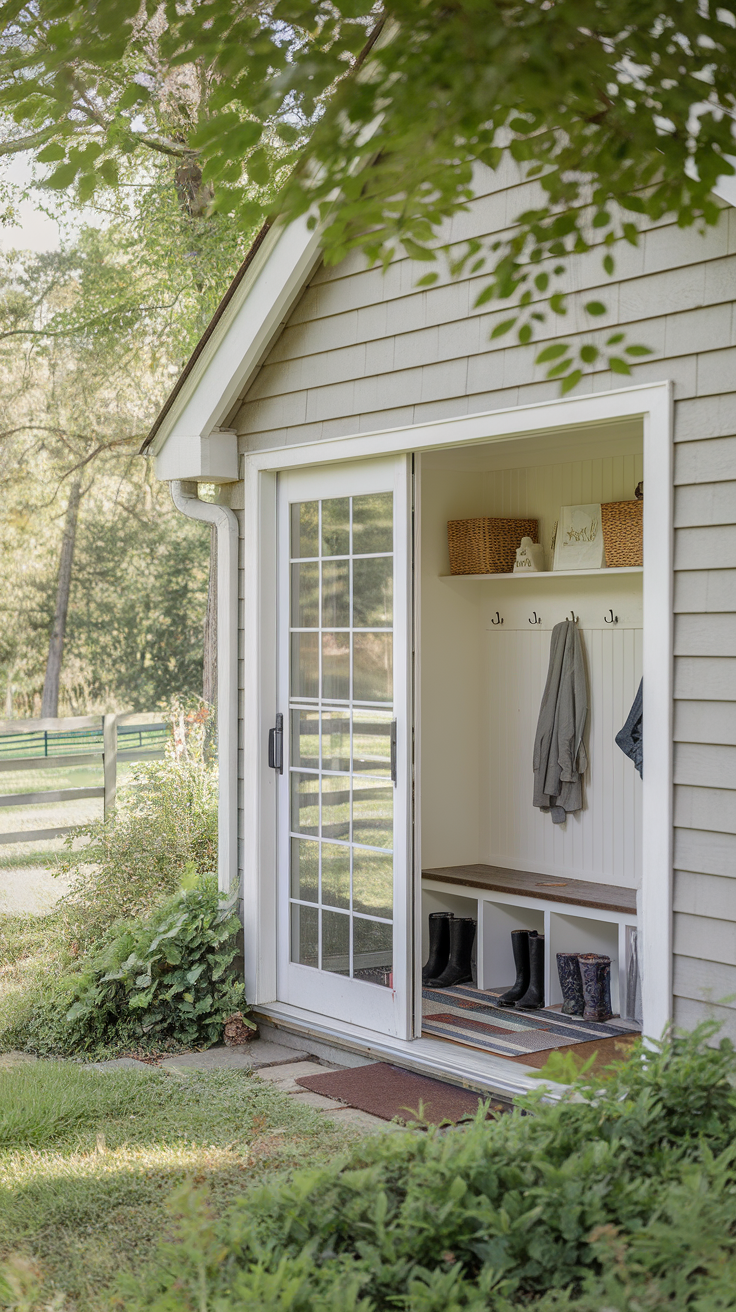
<point x="349" y="708"/>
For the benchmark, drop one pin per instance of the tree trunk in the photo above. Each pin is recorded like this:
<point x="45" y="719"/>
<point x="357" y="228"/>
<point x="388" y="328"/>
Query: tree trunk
<point x="50" y="700"/>
<point x="209" y="672"/>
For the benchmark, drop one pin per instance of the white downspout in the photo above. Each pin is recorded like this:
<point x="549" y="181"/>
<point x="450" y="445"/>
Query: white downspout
<point x="185" y="498"/>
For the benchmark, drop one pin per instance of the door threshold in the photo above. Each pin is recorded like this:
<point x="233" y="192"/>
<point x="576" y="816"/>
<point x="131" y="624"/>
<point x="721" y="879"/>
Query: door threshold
<point x="468" y="1067"/>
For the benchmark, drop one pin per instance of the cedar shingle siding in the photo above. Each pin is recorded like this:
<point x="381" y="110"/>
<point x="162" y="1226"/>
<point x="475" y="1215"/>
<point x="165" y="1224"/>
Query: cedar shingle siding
<point x="365" y="351"/>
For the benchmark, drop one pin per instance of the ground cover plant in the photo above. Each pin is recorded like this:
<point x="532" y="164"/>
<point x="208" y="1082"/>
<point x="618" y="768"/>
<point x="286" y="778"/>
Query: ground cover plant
<point x="620" y="1196"/>
<point x="89" y="1163"/>
<point x="170" y="978"/>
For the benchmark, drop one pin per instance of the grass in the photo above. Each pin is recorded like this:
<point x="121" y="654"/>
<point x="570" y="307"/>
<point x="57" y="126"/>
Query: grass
<point x="24" y="960"/>
<point x="24" y="948"/>
<point x="89" y="1161"/>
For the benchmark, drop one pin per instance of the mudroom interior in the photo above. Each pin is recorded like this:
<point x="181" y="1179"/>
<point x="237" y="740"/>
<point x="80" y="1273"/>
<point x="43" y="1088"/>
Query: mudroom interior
<point x="529" y="914"/>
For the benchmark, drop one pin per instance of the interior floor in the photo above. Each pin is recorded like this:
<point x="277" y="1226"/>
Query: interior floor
<point x="471" y="1016"/>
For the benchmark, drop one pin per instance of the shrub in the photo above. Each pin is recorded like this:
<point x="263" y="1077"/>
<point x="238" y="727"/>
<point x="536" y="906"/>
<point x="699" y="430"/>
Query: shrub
<point x="165" y="821"/>
<point x="166" y="978"/>
<point x="619" y="1197"/>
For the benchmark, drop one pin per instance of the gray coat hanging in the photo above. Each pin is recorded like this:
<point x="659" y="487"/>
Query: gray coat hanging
<point x="560" y="759"/>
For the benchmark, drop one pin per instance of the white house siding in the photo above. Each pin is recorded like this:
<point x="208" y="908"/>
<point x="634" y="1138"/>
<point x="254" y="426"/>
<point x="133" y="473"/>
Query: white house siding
<point x="365" y="351"/>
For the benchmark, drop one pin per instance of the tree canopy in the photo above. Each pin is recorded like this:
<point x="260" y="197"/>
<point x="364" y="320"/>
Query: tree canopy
<point x="377" y="118"/>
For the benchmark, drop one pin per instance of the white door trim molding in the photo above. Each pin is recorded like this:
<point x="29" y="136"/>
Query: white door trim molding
<point x="650" y="402"/>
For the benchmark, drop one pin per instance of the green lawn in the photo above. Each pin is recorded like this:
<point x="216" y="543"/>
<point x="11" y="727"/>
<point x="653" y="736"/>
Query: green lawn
<point x="89" y="1162"/>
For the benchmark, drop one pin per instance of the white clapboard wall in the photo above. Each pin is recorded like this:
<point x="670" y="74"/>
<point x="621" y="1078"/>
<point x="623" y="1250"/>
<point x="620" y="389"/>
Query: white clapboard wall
<point x="603" y="841"/>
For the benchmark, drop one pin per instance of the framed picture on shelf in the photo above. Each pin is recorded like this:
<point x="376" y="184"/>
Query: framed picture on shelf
<point x="579" y="540"/>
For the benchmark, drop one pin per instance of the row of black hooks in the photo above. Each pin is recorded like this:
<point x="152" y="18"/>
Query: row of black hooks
<point x="535" y="619"/>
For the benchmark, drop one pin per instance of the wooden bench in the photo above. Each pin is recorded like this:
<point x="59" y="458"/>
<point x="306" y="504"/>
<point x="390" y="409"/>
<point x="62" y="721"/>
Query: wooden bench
<point x="574" y="915"/>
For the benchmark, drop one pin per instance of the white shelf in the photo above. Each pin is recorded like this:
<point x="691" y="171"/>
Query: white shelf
<point x="554" y="574"/>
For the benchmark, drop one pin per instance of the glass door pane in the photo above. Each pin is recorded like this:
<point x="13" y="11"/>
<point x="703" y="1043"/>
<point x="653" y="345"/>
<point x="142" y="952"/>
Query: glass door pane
<point x="341" y="787"/>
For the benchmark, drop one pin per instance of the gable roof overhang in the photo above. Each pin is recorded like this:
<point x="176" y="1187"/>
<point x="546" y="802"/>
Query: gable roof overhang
<point x="189" y="439"/>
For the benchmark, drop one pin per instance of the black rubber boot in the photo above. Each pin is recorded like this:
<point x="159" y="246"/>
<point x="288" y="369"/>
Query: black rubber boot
<point x="534" y="996"/>
<point x="520" y="948"/>
<point x="457" y="971"/>
<point x="439" y="944"/>
<point x="571" y="983"/>
<point x="596" y="975"/>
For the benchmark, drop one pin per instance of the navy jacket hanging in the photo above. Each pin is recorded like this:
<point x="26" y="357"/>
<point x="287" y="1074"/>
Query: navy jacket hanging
<point x="631" y="738"/>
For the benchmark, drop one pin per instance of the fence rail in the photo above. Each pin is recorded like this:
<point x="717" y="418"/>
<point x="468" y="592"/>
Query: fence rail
<point x="79" y="740"/>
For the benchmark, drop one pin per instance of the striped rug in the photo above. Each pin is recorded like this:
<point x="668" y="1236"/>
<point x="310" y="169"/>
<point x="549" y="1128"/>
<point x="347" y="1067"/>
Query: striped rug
<point x="472" y="1016"/>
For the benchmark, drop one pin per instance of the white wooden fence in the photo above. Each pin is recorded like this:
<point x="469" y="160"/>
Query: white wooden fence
<point x="91" y="739"/>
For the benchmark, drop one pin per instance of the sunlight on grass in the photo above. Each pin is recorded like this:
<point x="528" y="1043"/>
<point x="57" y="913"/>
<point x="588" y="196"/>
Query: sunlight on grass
<point x="89" y="1162"/>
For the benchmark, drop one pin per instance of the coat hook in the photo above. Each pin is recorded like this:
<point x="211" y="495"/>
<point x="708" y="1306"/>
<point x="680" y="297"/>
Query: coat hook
<point x="497" y="620"/>
<point x="574" y="617"/>
<point x="613" y="619"/>
<point x="537" y="618"/>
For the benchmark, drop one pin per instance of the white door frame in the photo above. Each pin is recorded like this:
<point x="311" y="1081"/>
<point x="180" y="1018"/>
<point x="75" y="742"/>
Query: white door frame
<point x="358" y="1002"/>
<point x="652" y="403"/>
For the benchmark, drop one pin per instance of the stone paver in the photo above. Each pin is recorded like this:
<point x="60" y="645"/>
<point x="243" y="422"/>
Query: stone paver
<point x="285" y="1076"/>
<point x="362" y="1120"/>
<point x="248" y="1056"/>
<point x="317" y="1100"/>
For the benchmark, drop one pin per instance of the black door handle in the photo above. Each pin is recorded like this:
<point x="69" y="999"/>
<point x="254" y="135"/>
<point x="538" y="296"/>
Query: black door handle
<point x="276" y="745"/>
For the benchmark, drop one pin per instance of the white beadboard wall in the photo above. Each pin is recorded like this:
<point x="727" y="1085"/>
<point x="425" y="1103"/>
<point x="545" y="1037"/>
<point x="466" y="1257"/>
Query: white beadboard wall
<point x="482" y="682"/>
<point x="603" y="841"/>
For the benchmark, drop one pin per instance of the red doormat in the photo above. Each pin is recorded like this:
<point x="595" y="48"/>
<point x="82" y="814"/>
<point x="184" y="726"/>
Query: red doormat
<point x="390" y="1092"/>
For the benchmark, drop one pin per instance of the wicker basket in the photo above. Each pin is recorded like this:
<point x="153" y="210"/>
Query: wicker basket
<point x="623" y="533"/>
<point x="487" y="546"/>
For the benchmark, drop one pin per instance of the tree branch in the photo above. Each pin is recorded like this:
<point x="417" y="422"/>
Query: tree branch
<point x="34" y="139"/>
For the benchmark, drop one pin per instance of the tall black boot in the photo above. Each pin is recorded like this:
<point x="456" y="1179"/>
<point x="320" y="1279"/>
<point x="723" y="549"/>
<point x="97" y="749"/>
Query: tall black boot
<point x="439" y="944"/>
<point x="520" y="948"/>
<point x="457" y="971"/>
<point x="571" y="983"/>
<point x="534" y="996"/>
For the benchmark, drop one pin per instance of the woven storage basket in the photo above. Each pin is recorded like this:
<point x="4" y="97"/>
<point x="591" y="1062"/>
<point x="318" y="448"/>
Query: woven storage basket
<point x="623" y="533"/>
<point x="487" y="546"/>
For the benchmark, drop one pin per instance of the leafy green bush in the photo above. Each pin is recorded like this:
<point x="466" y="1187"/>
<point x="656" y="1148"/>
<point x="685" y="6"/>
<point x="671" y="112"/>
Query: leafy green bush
<point x="165" y="821"/>
<point x="620" y="1196"/>
<point x="165" y="978"/>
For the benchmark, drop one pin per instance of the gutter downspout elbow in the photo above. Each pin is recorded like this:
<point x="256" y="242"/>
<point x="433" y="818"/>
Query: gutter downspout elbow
<point x="186" y="499"/>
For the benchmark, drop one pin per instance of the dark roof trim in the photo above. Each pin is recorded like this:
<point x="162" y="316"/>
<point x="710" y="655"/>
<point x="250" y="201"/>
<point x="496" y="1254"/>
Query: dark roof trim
<point x="255" y="246"/>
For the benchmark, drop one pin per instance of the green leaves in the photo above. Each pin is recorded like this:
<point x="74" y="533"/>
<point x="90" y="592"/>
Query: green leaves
<point x="174" y="983"/>
<point x="620" y="1195"/>
<point x="258" y="168"/>
<point x="503" y="327"/>
<point x="551" y="352"/>
<point x="588" y="354"/>
<point x="388" y="155"/>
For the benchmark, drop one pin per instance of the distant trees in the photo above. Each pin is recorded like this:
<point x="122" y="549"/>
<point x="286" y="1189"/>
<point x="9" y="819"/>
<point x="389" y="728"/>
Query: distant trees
<point x="103" y="588"/>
